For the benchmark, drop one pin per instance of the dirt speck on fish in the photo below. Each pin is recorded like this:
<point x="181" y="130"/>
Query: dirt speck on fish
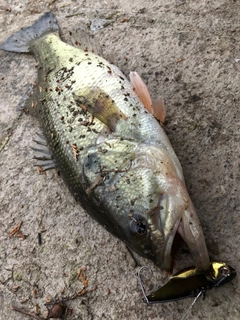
<point x="112" y="153"/>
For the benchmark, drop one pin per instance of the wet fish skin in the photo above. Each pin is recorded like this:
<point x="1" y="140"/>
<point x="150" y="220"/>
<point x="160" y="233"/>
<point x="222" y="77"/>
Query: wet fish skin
<point x="113" y="155"/>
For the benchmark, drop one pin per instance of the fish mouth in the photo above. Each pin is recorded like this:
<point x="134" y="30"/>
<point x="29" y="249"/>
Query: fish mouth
<point x="164" y="224"/>
<point x="164" y="258"/>
<point x="172" y="243"/>
<point x="175" y="216"/>
<point x="163" y="234"/>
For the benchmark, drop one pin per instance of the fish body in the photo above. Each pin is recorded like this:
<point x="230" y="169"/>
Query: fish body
<point x="112" y="153"/>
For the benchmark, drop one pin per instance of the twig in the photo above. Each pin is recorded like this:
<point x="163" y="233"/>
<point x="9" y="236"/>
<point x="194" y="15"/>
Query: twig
<point x="98" y="181"/>
<point x="83" y="277"/>
<point x="27" y="312"/>
<point x="17" y="231"/>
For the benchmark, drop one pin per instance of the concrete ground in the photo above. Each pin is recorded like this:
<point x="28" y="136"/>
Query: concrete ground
<point x="186" y="51"/>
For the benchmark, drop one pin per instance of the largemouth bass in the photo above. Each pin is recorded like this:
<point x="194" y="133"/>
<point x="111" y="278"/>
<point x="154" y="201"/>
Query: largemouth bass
<point x="112" y="153"/>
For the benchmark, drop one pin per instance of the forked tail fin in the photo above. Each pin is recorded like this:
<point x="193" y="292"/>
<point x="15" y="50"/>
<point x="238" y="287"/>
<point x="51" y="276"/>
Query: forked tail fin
<point x="22" y="39"/>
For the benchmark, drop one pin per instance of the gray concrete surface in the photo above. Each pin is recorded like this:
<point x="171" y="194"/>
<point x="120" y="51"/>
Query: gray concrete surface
<point x="186" y="51"/>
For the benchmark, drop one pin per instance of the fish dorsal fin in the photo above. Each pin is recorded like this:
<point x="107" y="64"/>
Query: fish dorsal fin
<point x="156" y="107"/>
<point x="100" y="105"/>
<point x="83" y="38"/>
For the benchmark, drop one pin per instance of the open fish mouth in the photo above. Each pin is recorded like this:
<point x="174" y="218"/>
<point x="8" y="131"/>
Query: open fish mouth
<point x="163" y="238"/>
<point x="183" y="221"/>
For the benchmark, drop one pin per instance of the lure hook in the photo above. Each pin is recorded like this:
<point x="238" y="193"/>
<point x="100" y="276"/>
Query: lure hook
<point x="145" y="299"/>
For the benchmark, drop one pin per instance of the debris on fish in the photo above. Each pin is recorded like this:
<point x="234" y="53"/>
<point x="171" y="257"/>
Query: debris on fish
<point x="110" y="150"/>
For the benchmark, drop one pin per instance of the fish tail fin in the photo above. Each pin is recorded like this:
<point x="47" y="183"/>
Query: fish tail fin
<point x="22" y="39"/>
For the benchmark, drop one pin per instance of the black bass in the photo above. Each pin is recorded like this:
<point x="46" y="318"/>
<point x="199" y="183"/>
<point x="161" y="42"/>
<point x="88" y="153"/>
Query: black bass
<point x="112" y="153"/>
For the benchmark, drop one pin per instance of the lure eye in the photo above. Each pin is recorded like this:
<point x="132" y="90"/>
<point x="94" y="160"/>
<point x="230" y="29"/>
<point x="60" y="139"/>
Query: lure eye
<point x="138" y="226"/>
<point x="225" y="272"/>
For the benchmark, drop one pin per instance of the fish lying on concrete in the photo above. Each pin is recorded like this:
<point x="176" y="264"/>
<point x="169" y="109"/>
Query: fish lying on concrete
<point x="112" y="153"/>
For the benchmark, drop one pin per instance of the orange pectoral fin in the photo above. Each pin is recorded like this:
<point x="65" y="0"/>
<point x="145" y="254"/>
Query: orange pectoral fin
<point x="156" y="107"/>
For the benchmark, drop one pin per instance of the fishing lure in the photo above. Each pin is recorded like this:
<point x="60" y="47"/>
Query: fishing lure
<point x="189" y="282"/>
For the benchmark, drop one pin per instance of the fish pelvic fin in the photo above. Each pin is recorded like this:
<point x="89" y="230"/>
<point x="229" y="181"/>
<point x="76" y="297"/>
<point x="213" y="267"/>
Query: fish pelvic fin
<point x="141" y="90"/>
<point x="100" y="105"/>
<point x="155" y="107"/>
<point x="159" y="110"/>
<point x="21" y="40"/>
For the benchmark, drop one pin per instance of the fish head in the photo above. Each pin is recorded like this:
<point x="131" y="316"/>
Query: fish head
<point x="175" y="215"/>
<point x="166" y="209"/>
<point x="147" y="230"/>
<point x="152" y="232"/>
<point x="143" y="201"/>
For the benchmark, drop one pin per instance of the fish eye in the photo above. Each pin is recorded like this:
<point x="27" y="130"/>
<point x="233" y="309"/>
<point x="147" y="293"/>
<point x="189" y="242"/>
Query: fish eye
<point x="138" y="226"/>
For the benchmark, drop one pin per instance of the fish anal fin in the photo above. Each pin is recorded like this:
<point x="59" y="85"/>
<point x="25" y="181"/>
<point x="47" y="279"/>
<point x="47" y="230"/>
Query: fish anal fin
<point x="42" y="153"/>
<point x="155" y="107"/>
<point x="100" y="105"/>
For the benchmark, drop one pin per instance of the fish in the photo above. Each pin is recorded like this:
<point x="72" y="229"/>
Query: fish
<point x="110" y="149"/>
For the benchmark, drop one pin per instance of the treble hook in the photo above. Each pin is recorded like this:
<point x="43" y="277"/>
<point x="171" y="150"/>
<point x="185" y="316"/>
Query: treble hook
<point x="145" y="299"/>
